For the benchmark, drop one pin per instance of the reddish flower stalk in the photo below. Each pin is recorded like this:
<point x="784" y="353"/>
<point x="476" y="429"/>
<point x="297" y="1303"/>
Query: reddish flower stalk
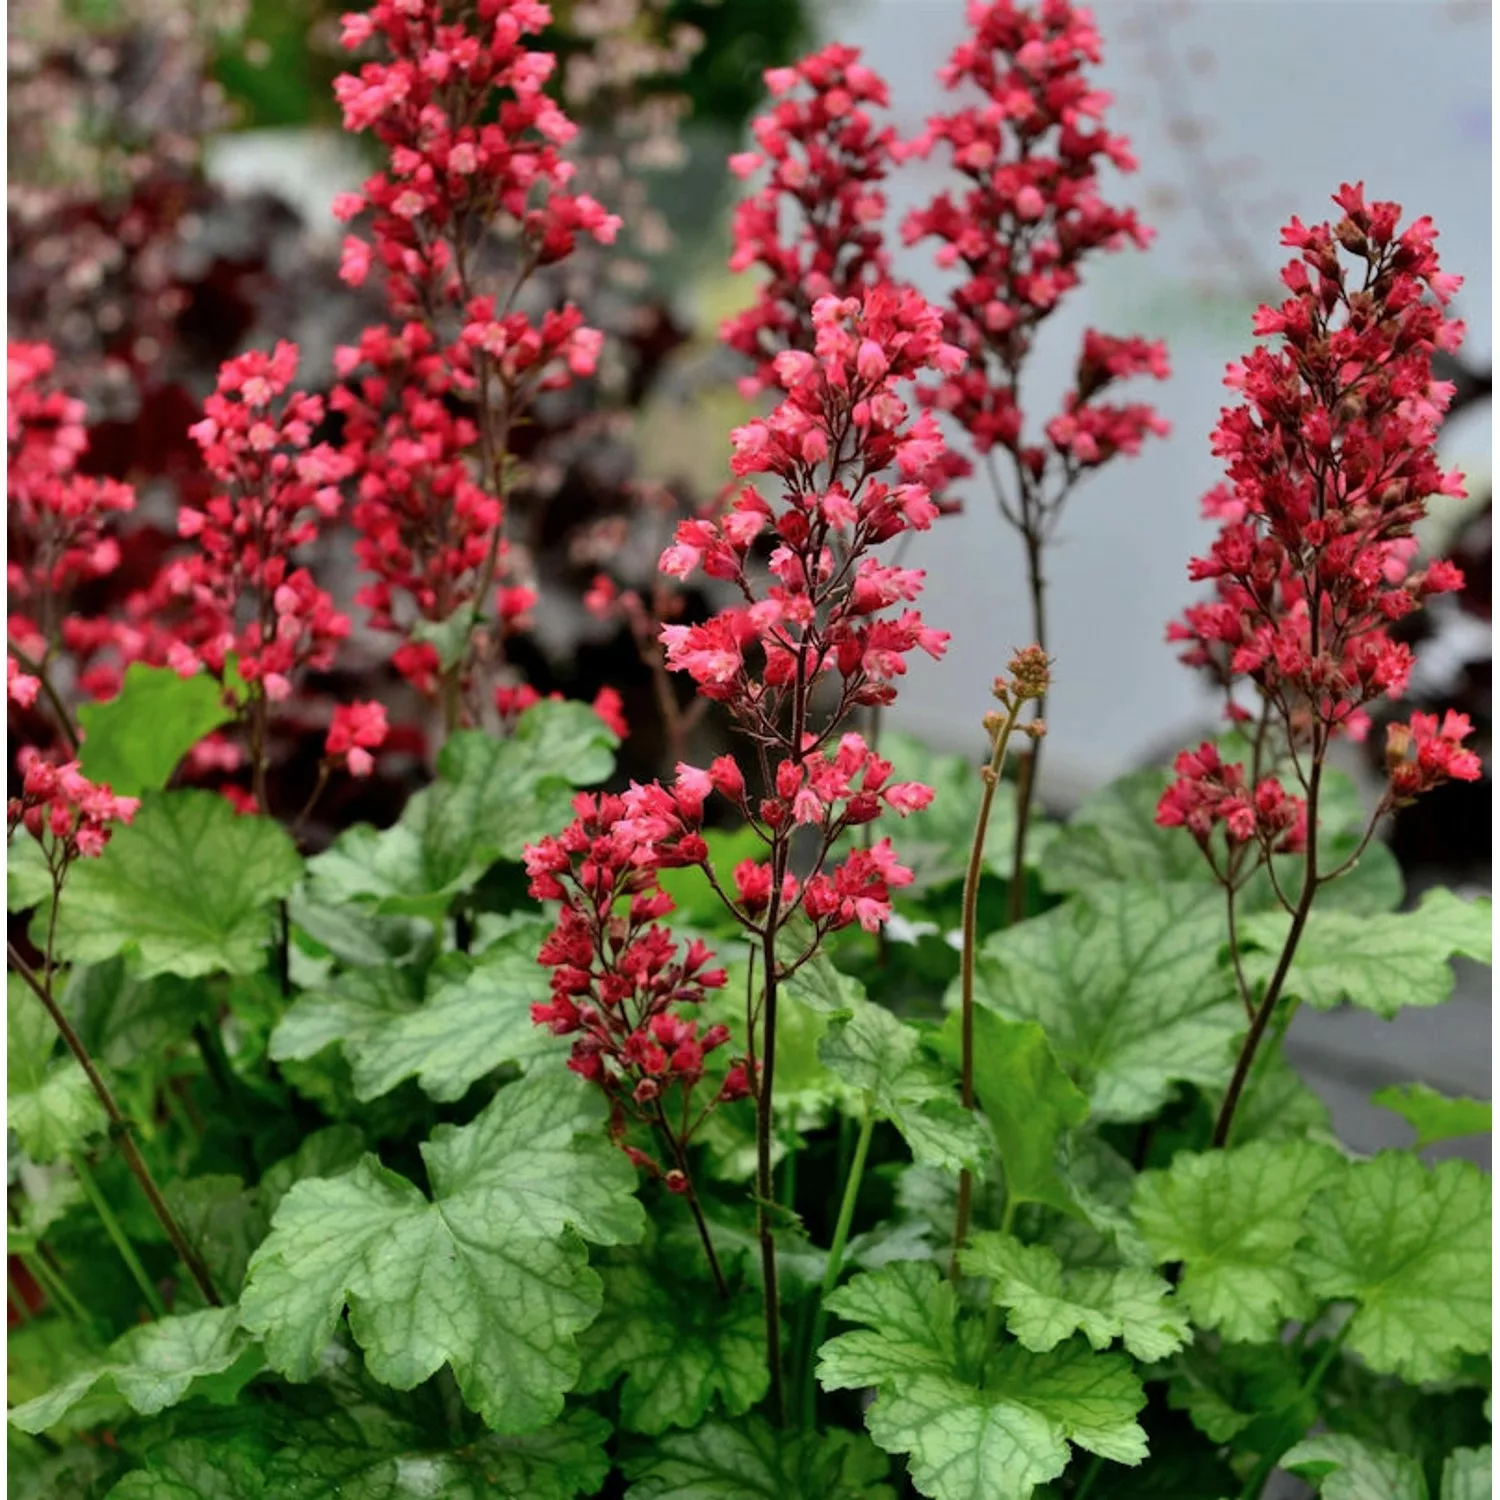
<point x="1332" y="460"/>
<point x="1030" y="675"/>
<point x="1030" y="216"/>
<point x="473" y="144"/>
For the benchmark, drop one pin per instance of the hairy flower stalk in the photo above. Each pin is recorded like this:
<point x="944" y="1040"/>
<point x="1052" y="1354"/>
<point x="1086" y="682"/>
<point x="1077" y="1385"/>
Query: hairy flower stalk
<point x="474" y="147"/>
<point x="1331" y="461"/>
<point x="1030" y="150"/>
<point x="1030" y="675"/>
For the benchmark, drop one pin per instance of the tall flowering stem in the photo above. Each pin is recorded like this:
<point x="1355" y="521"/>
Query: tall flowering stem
<point x="809" y="642"/>
<point x="1030" y="150"/>
<point x="1030" y="676"/>
<point x="1331" y="460"/>
<point x="473" y="146"/>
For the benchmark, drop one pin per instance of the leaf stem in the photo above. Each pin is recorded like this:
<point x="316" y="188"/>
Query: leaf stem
<point x="990" y="776"/>
<point x="116" y="1233"/>
<point x="835" y="1266"/>
<point x="120" y="1127"/>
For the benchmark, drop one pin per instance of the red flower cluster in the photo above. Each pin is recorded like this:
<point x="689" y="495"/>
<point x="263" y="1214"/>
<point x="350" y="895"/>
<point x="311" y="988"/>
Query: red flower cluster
<point x="68" y="815"/>
<point x="1208" y="793"/>
<point x="1332" y="460"/>
<point x="471" y="140"/>
<point x="356" y="730"/>
<point x="618" y="984"/>
<point x="841" y="425"/>
<point x="451" y="167"/>
<point x="276" y="490"/>
<point x="1426" y="753"/>
<point x="828" y="159"/>
<point x="56" y="518"/>
<point x="1030" y="149"/>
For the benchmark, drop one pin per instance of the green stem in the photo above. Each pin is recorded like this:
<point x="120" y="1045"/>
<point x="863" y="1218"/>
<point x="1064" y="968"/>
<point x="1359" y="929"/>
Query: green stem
<point x="113" y="1229"/>
<point x="1257" y="1480"/>
<point x="55" y="1285"/>
<point x="177" y="1110"/>
<point x="835" y="1266"/>
<point x="1090" y="1474"/>
<point x="991" y="778"/>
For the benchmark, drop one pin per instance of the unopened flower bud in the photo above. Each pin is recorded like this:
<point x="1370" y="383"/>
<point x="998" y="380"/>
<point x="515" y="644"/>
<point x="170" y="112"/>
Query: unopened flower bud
<point x="1031" y="672"/>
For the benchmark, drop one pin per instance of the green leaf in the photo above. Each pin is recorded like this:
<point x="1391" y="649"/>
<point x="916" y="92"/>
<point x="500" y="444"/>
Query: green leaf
<point x="679" y="1345"/>
<point x="1028" y="1100"/>
<point x="353" y="1010"/>
<point x="476" y="1018"/>
<point x="1380" y="963"/>
<point x="1113" y="836"/>
<point x="817" y="984"/>
<point x="1128" y="988"/>
<point x="366" y="1453"/>
<point x="1250" y="1394"/>
<point x="325" y="1153"/>
<point x="490" y="1275"/>
<point x="184" y="889"/>
<point x="49" y="1102"/>
<point x="1436" y="1117"/>
<point x="966" y="1440"/>
<point x="223" y="1221"/>
<point x="1411" y="1247"/>
<point x="877" y="1055"/>
<point x="133" y="743"/>
<point x="934" y="844"/>
<point x="751" y="1460"/>
<point x="1468" y="1474"/>
<point x="155" y="1366"/>
<point x="1045" y="1304"/>
<point x="1343" y="1468"/>
<point x="129" y="1023"/>
<point x="35" y="1472"/>
<point x="1233" y="1219"/>
<point x="492" y="798"/>
<point x="28" y="881"/>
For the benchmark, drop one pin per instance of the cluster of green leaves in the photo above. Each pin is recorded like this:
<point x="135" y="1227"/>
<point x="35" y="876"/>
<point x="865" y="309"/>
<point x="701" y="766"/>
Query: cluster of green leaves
<point x="439" y="1277"/>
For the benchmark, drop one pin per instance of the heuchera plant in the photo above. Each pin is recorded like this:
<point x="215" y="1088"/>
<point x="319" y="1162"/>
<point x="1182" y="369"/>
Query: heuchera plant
<point x="576" y="1136"/>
